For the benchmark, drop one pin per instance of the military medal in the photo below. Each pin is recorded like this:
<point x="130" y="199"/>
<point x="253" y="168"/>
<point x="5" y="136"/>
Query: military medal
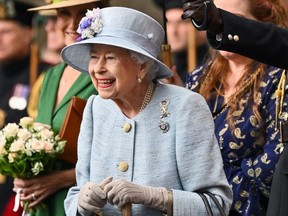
<point x="19" y="98"/>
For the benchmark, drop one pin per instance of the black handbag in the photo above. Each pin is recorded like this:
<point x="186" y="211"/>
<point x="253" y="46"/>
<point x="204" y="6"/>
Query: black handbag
<point x="207" y="205"/>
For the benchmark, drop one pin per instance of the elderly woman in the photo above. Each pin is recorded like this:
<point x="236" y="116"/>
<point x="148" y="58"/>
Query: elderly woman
<point x="141" y="141"/>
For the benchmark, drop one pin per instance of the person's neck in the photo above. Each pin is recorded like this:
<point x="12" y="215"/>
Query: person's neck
<point x="236" y="72"/>
<point x="136" y="100"/>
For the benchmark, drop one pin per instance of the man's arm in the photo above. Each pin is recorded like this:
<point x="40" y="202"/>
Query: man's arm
<point x="264" y="42"/>
<point x="261" y="41"/>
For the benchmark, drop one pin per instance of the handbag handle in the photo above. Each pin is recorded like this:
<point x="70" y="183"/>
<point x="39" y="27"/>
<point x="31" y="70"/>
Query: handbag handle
<point x="207" y="205"/>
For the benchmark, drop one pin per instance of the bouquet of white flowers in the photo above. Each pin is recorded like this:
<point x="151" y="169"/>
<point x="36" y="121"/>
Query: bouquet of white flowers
<point x="28" y="149"/>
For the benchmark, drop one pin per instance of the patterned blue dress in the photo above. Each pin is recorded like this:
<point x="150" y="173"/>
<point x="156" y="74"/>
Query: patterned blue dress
<point x="249" y="157"/>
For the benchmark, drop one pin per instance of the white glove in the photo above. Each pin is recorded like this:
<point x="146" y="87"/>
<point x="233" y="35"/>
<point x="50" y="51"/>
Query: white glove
<point x="92" y="198"/>
<point x="121" y="192"/>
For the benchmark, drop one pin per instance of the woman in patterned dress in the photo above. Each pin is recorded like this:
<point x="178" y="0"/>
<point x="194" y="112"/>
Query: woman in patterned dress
<point x="241" y="95"/>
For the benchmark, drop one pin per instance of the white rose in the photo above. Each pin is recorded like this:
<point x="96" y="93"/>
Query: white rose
<point x="28" y="148"/>
<point x="11" y="130"/>
<point x="2" y="139"/>
<point x="47" y="126"/>
<point x="37" y="145"/>
<point x="38" y="126"/>
<point x="24" y="134"/>
<point x="11" y="157"/>
<point x="60" y="147"/>
<point x="48" y="147"/>
<point x="2" y="149"/>
<point x="17" y="145"/>
<point x="26" y="122"/>
<point x="46" y="134"/>
<point x="37" y="168"/>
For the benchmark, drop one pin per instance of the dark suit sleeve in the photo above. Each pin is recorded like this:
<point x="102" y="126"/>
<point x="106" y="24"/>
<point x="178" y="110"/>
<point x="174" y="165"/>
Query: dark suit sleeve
<point x="258" y="40"/>
<point x="279" y="192"/>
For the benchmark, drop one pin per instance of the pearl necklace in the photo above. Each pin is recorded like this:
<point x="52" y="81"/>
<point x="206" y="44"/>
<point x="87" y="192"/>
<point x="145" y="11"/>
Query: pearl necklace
<point x="148" y="96"/>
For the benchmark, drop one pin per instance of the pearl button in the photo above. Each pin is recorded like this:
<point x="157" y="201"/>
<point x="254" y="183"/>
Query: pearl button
<point x="123" y="166"/>
<point x="230" y="37"/>
<point x="236" y="38"/>
<point x="127" y="127"/>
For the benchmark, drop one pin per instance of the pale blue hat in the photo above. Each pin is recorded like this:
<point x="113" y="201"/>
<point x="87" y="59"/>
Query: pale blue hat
<point x="121" y="27"/>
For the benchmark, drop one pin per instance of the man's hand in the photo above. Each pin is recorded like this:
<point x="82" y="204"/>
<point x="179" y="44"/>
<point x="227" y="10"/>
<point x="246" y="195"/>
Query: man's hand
<point x="203" y="14"/>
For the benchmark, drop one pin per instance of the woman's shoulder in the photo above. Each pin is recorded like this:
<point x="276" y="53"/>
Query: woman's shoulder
<point x="194" y="77"/>
<point x="54" y="71"/>
<point x="274" y="72"/>
<point x="56" y="68"/>
<point x="98" y="102"/>
<point x="172" y="89"/>
<point x="197" y="70"/>
<point x="272" y="77"/>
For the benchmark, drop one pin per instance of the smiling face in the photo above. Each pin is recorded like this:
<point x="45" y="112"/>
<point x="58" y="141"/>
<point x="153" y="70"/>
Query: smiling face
<point x="68" y="19"/>
<point x="114" y="73"/>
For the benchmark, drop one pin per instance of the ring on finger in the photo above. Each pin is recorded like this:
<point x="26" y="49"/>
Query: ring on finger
<point x="34" y="197"/>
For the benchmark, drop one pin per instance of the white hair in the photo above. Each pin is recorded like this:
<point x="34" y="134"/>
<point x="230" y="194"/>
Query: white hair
<point x="151" y="66"/>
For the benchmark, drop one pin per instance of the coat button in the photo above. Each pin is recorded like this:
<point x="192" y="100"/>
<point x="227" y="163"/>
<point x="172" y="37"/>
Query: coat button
<point x="236" y="38"/>
<point x="127" y="127"/>
<point x="123" y="166"/>
<point x="230" y="37"/>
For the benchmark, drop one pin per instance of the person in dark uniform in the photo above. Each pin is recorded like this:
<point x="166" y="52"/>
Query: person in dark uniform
<point x="177" y="36"/>
<point x="15" y="41"/>
<point x="261" y="41"/>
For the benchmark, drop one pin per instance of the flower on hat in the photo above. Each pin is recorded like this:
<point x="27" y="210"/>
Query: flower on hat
<point x="90" y="25"/>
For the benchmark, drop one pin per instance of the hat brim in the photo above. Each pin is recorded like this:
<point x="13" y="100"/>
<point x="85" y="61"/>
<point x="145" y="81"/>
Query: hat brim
<point x="62" y="4"/>
<point x="77" y="55"/>
<point x="48" y="13"/>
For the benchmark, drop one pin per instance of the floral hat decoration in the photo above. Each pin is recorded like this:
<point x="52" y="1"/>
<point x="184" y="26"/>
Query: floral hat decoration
<point x="90" y="25"/>
<point x="121" y="27"/>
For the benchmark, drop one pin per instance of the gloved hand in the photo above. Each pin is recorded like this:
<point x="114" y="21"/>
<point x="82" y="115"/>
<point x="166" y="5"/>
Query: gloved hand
<point x="92" y="198"/>
<point x="121" y="192"/>
<point x="203" y="14"/>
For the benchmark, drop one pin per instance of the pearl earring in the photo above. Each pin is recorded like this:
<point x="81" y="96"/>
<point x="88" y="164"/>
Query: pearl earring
<point x="139" y="80"/>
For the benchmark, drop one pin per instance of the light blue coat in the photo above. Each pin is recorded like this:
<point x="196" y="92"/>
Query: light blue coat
<point x="186" y="158"/>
